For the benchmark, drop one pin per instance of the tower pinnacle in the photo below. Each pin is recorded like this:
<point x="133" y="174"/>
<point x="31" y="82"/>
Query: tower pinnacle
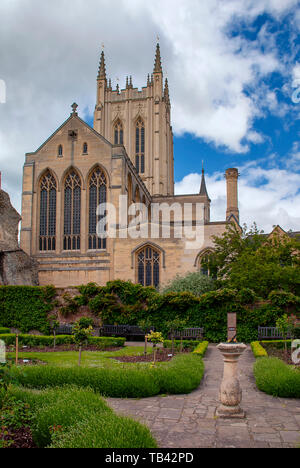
<point x="203" y="189"/>
<point x="157" y="64"/>
<point x="102" y="70"/>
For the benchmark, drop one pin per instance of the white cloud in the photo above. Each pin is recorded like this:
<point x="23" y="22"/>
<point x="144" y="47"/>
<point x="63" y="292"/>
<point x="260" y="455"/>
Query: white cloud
<point x="266" y="196"/>
<point x="50" y="51"/>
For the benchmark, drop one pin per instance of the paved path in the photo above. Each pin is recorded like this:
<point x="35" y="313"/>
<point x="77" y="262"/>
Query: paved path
<point x="188" y="421"/>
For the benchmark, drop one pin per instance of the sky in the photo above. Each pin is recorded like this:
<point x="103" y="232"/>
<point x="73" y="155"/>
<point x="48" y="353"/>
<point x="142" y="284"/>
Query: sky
<point x="234" y="76"/>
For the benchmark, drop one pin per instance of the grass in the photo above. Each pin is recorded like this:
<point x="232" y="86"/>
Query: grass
<point x="276" y="378"/>
<point x="89" y="358"/>
<point x="180" y="375"/>
<point x="70" y="417"/>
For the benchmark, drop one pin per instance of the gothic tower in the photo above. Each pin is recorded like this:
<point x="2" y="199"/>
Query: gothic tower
<point x="141" y="121"/>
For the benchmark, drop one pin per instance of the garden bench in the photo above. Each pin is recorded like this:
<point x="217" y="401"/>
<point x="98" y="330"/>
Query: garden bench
<point x="270" y="333"/>
<point x="122" y="330"/>
<point x="188" y="334"/>
<point x="64" y="330"/>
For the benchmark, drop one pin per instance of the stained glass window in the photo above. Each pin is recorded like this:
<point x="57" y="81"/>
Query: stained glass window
<point x="148" y="265"/>
<point x="140" y="147"/>
<point x="72" y="212"/>
<point x="97" y="196"/>
<point x="60" y="151"/>
<point x="47" y="237"/>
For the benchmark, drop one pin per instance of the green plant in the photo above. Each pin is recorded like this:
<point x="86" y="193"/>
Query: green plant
<point x="258" y="350"/>
<point x="286" y="327"/>
<point x="195" y="283"/>
<point x="155" y="338"/>
<point x="174" y="325"/>
<point x="276" y="378"/>
<point x="82" y="330"/>
<point x="201" y="349"/>
<point x="4" y="331"/>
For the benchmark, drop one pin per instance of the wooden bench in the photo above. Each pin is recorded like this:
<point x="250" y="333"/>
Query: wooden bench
<point x="64" y="330"/>
<point x="126" y="331"/>
<point x="188" y="334"/>
<point x="271" y="333"/>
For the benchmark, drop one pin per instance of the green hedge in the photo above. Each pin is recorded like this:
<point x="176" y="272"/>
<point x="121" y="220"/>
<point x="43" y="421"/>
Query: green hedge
<point x="180" y="375"/>
<point x="70" y="417"/>
<point x="37" y="340"/>
<point x="258" y="350"/>
<point x="201" y="349"/>
<point x="26" y="307"/>
<point x="276" y="378"/>
<point x="186" y="344"/>
<point x="4" y="331"/>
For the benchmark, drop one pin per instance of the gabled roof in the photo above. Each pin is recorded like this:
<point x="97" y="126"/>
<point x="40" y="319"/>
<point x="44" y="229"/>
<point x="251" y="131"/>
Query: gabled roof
<point x="74" y="115"/>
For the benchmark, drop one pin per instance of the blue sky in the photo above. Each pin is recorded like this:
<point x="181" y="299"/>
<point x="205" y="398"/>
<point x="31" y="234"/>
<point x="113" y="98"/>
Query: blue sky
<point x="232" y="66"/>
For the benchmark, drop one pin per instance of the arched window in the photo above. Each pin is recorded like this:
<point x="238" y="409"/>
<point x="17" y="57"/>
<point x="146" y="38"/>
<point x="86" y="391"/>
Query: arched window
<point x="148" y="266"/>
<point x="140" y="147"/>
<point x="60" y="151"/>
<point x="118" y="131"/>
<point x="85" y="148"/>
<point x="72" y="211"/>
<point x="204" y="263"/>
<point x="47" y="238"/>
<point x="97" y="195"/>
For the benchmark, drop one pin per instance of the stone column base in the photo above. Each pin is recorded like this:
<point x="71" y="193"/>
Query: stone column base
<point x="231" y="412"/>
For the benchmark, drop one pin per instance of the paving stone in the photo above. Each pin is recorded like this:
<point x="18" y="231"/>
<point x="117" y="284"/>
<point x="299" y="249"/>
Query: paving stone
<point x="290" y="436"/>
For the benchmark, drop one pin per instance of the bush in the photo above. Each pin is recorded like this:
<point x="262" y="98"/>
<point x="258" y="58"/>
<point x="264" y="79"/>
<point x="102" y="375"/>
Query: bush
<point x="276" y="378"/>
<point x="4" y="331"/>
<point x="200" y="350"/>
<point x="258" y="350"/>
<point x="195" y="283"/>
<point x="61" y="416"/>
<point x="181" y="375"/>
<point x="102" y="342"/>
<point x="186" y="344"/>
<point x="26" y="307"/>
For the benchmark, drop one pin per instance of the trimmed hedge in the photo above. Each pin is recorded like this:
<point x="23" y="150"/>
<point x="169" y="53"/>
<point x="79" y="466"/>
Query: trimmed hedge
<point x="4" y="331"/>
<point x="201" y="349"/>
<point x="37" y="340"/>
<point x="258" y="350"/>
<point x="26" y="307"/>
<point x="276" y="378"/>
<point x="180" y="375"/>
<point x="61" y="416"/>
<point x="186" y="344"/>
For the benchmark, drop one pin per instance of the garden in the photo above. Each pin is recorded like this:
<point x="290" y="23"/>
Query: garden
<point x="53" y="386"/>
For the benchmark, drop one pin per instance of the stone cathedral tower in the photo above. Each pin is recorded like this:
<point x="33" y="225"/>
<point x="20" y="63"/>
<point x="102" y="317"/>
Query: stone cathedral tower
<point x="139" y="120"/>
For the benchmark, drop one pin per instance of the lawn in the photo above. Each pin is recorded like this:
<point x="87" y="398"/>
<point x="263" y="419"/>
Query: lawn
<point x="89" y="358"/>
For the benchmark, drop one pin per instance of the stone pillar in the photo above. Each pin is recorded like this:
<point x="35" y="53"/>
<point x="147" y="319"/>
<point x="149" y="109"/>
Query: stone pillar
<point x="230" y="391"/>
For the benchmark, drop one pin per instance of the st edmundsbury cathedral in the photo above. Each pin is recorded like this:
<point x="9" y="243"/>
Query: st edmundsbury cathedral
<point x="127" y="155"/>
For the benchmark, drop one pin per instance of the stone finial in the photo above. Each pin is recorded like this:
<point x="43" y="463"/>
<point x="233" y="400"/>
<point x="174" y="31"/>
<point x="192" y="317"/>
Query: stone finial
<point x="157" y="64"/>
<point x="166" y="92"/>
<point x="102" y="70"/>
<point x="74" y="107"/>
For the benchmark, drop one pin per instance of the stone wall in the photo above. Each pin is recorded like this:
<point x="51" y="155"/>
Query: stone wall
<point x="16" y="267"/>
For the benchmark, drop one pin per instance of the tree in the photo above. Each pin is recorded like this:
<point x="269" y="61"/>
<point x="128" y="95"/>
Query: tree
<point x="173" y="325"/>
<point x="155" y="338"/>
<point x="249" y="259"/>
<point x="145" y="325"/>
<point x="286" y="327"/>
<point x="54" y="324"/>
<point x="195" y="283"/>
<point x="82" y="330"/>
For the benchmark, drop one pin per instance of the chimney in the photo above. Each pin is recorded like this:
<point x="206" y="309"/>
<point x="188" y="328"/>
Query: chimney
<point x="232" y="212"/>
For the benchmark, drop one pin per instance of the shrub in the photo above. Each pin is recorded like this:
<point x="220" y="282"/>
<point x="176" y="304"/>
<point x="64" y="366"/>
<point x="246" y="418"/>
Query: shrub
<point x="186" y="344"/>
<point x="26" y="307"/>
<point x="62" y="415"/>
<point x="102" y="342"/>
<point x="4" y="331"/>
<point x="276" y="378"/>
<point x="258" y="350"/>
<point x="181" y="375"/>
<point x="200" y="350"/>
<point x="195" y="283"/>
